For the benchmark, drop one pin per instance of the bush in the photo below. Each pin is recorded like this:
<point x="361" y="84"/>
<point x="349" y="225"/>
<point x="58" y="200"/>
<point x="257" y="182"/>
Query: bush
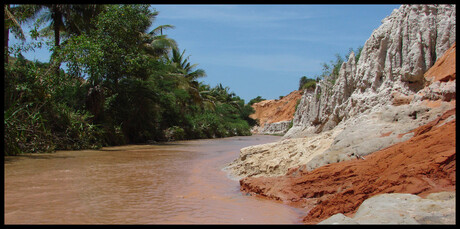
<point x="38" y="118"/>
<point x="175" y="133"/>
<point x="73" y="129"/>
<point x="256" y="100"/>
<point x="310" y="86"/>
<point x="307" y="83"/>
<point x="25" y="131"/>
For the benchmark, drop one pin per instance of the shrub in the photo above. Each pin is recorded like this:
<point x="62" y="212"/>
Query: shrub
<point x="25" y="131"/>
<point x="175" y="133"/>
<point x="307" y="83"/>
<point x="310" y="86"/>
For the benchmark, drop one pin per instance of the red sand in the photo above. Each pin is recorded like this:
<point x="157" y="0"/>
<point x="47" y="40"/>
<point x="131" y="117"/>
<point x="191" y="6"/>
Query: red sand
<point x="444" y="68"/>
<point x="424" y="164"/>
<point x="271" y="111"/>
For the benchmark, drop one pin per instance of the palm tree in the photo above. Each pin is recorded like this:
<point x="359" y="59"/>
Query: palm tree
<point x="62" y="18"/>
<point x="188" y="76"/>
<point x="11" y="22"/>
<point x="155" y="43"/>
<point x="184" y="66"/>
<point x="67" y="20"/>
<point x="208" y="99"/>
<point x="80" y="18"/>
<point x="223" y="95"/>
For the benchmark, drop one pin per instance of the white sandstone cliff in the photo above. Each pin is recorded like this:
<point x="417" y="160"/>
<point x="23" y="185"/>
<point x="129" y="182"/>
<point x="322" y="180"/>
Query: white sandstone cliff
<point x="393" y="59"/>
<point x="373" y="104"/>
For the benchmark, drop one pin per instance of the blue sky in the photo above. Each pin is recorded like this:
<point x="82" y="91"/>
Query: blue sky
<point x="264" y="49"/>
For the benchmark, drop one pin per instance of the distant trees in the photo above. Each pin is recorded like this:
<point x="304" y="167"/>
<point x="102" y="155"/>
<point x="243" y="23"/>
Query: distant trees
<point x="330" y="71"/>
<point x="307" y="83"/>
<point x="256" y="100"/>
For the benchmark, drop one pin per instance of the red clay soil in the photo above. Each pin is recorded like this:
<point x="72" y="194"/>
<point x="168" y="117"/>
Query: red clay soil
<point x="424" y="164"/>
<point x="444" y="68"/>
<point x="271" y="111"/>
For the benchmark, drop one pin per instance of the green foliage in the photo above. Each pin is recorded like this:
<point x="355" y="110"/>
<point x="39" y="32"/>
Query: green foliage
<point x="291" y="124"/>
<point x="111" y="52"/>
<point x="310" y="86"/>
<point x="330" y="71"/>
<point x="307" y="83"/>
<point x="256" y="100"/>
<point x="357" y="53"/>
<point x="297" y="104"/>
<point x="223" y="123"/>
<point x="122" y="86"/>
<point x="245" y="112"/>
<point x="38" y="111"/>
<point x="25" y="130"/>
<point x="175" y="133"/>
<point x="72" y="129"/>
<point x="229" y="117"/>
<point x="318" y="96"/>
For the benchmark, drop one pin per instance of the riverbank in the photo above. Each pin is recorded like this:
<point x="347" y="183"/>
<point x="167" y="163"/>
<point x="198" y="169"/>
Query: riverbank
<point x="425" y="164"/>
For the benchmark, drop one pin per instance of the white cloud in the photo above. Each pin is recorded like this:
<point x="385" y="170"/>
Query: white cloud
<point x="236" y="15"/>
<point x="266" y="62"/>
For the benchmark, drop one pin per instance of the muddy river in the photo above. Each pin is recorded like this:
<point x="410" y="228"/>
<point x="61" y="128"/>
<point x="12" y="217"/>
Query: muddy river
<point x="174" y="183"/>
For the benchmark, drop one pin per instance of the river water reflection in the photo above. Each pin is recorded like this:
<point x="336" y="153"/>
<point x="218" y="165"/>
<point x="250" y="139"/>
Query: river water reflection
<point x="173" y="183"/>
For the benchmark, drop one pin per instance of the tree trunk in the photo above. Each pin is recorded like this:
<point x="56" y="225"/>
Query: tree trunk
<point x="57" y="24"/>
<point x="6" y="33"/>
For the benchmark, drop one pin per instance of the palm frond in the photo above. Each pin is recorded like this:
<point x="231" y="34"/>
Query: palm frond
<point x="159" y="29"/>
<point x="15" y="24"/>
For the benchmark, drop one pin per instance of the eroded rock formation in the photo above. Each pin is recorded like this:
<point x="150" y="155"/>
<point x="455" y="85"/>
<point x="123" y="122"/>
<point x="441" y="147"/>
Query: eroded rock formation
<point x="393" y="60"/>
<point x="275" y="115"/>
<point x="387" y="125"/>
<point x="422" y="165"/>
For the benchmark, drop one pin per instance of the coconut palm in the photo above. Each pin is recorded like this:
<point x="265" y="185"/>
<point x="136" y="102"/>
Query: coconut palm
<point x="184" y="66"/>
<point x="208" y="100"/>
<point x="187" y="75"/>
<point x="63" y="19"/>
<point x="155" y="43"/>
<point x="81" y="17"/>
<point x="67" y="20"/>
<point x="12" y="21"/>
<point x="223" y="94"/>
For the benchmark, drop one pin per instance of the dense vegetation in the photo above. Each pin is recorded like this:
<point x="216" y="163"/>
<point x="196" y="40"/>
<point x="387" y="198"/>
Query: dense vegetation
<point x="122" y="83"/>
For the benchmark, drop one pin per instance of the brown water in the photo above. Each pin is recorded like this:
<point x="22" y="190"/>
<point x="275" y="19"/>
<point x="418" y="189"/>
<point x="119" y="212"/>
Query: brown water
<point x="174" y="183"/>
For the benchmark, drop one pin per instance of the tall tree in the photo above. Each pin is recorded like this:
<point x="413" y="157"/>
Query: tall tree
<point x="155" y="43"/>
<point x="188" y="74"/>
<point x="68" y="20"/>
<point x="184" y="67"/>
<point x="11" y="22"/>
